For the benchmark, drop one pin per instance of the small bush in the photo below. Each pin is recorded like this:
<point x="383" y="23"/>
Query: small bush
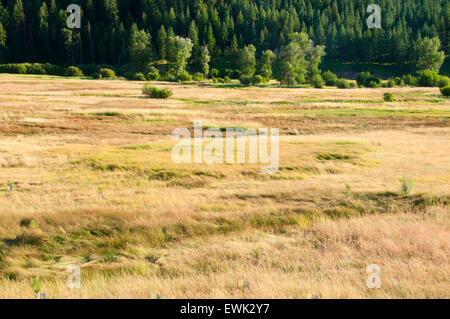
<point x="140" y="77"/>
<point x="73" y="71"/>
<point x="373" y="85"/>
<point x="428" y="78"/>
<point x="199" y="77"/>
<point x="317" y="81"/>
<point x="330" y="78"/>
<point x="184" y="76"/>
<point x="107" y="73"/>
<point x="352" y="85"/>
<point x="156" y="93"/>
<point x="231" y="73"/>
<point x="221" y="80"/>
<point x="37" y="68"/>
<point x="388" y="97"/>
<point x="89" y="69"/>
<point x="445" y="91"/>
<point x="368" y="80"/>
<point x="443" y="81"/>
<point x="135" y="76"/>
<point x="152" y="76"/>
<point x="214" y="73"/>
<point x="245" y="80"/>
<point x="398" y="81"/>
<point x="14" y="68"/>
<point x="151" y="69"/>
<point x="51" y="69"/>
<point x="167" y="76"/>
<point x="389" y="84"/>
<point x="407" y="186"/>
<point x="410" y="80"/>
<point x="362" y="78"/>
<point x="227" y="79"/>
<point x="257" y="79"/>
<point x="97" y="76"/>
<point x="342" y="83"/>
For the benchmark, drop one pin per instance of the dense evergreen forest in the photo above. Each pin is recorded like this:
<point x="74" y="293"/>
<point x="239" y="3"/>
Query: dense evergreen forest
<point x="36" y="31"/>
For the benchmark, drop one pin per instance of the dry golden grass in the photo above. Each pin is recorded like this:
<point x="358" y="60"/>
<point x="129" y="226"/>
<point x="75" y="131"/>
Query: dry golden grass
<point x="93" y="184"/>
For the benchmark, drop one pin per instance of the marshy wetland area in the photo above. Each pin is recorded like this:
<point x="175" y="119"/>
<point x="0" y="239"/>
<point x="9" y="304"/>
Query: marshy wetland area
<point x="87" y="178"/>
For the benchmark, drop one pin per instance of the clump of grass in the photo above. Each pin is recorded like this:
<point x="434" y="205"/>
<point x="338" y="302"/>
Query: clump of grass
<point x="156" y="93"/>
<point x="36" y="285"/>
<point x="9" y="186"/>
<point x="29" y="223"/>
<point x="407" y="186"/>
<point x="137" y="147"/>
<point x="108" y="114"/>
<point x="333" y="157"/>
<point x="388" y="97"/>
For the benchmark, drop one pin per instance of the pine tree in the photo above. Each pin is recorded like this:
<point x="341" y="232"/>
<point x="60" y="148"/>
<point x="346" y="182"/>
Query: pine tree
<point x="247" y="60"/>
<point x="204" y="60"/>
<point x="162" y="42"/>
<point x="139" y="48"/>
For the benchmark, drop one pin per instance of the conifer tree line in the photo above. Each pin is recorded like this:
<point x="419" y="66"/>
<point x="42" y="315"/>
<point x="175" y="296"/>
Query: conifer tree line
<point x="121" y="32"/>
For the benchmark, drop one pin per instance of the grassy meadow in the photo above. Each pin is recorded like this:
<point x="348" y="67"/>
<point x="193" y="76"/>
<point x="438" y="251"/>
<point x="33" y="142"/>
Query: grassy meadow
<point x="86" y="178"/>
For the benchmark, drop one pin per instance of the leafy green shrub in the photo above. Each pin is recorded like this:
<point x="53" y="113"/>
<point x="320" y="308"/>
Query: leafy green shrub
<point x="368" y="80"/>
<point x="389" y="84"/>
<point x="73" y="71"/>
<point x="445" y="91"/>
<point x="232" y="74"/>
<point x="156" y="93"/>
<point x="352" y="85"/>
<point x="443" y="81"/>
<point x="257" y="79"/>
<point x="140" y="77"/>
<point x="373" y="85"/>
<point x="89" y="69"/>
<point x="14" y="68"/>
<point x="388" y="97"/>
<point x="362" y="78"/>
<point x="245" y="80"/>
<point x="151" y="69"/>
<point x="330" y="78"/>
<point x="135" y="76"/>
<point x="214" y="73"/>
<point x="398" y="81"/>
<point x="199" y="77"/>
<point x="152" y="76"/>
<point x="184" y="76"/>
<point x="342" y="83"/>
<point x="223" y="80"/>
<point x="410" y="80"/>
<point x="36" y="68"/>
<point x="317" y="81"/>
<point x="107" y="73"/>
<point x="428" y="78"/>
<point x="52" y="69"/>
<point x="167" y="76"/>
<point x="97" y="76"/>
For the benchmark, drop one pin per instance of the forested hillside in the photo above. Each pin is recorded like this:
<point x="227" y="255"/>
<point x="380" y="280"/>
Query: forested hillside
<point x="35" y="30"/>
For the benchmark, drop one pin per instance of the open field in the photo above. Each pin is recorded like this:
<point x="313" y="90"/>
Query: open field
<point x="93" y="184"/>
